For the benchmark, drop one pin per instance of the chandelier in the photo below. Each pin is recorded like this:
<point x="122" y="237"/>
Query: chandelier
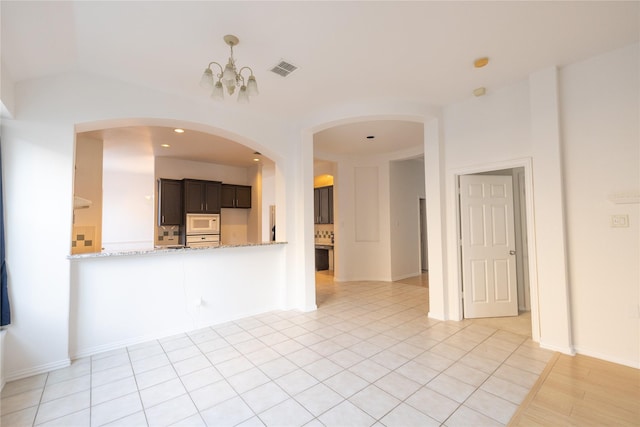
<point x="230" y="78"/>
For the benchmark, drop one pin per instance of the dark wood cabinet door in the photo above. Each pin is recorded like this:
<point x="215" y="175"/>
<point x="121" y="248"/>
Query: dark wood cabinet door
<point x="323" y="205"/>
<point x="170" y="202"/>
<point x="228" y="196"/>
<point x="201" y="196"/>
<point x="330" y="202"/>
<point x="193" y="196"/>
<point x="322" y="259"/>
<point x="243" y="196"/>
<point x="235" y="196"/>
<point x="316" y="206"/>
<point x="212" y="197"/>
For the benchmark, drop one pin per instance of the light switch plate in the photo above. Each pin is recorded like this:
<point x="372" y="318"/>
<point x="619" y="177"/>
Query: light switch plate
<point x="620" y="221"/>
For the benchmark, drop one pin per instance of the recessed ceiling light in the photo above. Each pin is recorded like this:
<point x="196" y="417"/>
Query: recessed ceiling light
<point x="165" y="145"/>
<point x="178" y="130"/>
<point x="256" y="160"/>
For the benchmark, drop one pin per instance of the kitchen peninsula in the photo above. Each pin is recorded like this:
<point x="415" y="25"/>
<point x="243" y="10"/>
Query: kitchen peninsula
<point x="121" y="298"/>
<point x="143" y="274"/>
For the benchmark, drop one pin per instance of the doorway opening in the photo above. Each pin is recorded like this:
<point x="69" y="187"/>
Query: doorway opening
<point x="323" y="211"/>
<point x="494" y="259"/>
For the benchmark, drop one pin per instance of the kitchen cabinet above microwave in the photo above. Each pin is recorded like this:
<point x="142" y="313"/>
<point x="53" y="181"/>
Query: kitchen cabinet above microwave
<point x="170" y="202"/>
<point x="202" y="196"/>
<point x="236" y="196"/>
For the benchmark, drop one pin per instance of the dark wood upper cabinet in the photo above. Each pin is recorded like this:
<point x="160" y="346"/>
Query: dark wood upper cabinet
<point x="323" y="205"/>
<point x="202" y="196"/>
<point x="236" y="196"/>
<point x="170" y="202"/>
<point x="243" y="196"/>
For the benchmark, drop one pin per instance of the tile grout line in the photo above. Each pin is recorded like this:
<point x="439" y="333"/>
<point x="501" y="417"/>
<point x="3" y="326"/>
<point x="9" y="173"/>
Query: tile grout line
<point x="91" y="388"/>
<point x="377" y="419"/>
<point x="401" y="320"/>
<point x="490" y="375"/>
<point x="44" y="386"/>
<point x="180" y="378"/>
<point x="273" y="380"/>
<point x="533" y="391"/>
<point x="135" y="380"/>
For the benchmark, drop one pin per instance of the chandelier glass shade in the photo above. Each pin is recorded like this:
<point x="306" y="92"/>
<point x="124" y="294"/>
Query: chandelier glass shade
<point x="230" y="77"/>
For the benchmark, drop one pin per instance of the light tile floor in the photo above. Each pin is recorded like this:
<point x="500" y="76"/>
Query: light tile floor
<point x="367" y="356"/>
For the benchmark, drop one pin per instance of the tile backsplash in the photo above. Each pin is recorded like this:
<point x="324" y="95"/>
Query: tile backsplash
<point x="83" y="239"/>
<point x="168" y="234"/>
<point x="323" y="232"/>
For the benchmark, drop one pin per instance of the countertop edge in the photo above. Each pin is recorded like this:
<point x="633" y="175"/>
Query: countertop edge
<point x="152" y="251"/>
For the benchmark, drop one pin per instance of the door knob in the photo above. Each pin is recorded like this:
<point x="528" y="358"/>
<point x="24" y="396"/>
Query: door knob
<point x="512" y="252"/>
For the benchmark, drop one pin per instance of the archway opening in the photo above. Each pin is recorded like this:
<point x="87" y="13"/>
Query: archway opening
<point x="118" y="169"/>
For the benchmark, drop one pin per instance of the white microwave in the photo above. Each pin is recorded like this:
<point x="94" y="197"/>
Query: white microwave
<point x="203" y="224"/>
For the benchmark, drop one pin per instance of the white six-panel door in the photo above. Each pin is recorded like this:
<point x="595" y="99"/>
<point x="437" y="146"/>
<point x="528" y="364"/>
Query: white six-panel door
<point x="488" y="246"/>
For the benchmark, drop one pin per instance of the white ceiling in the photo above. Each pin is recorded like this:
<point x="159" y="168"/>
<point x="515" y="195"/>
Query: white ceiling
<point x="190" y="145"/>
<point x="352" y="139"/>
<point x="347" y="52"/>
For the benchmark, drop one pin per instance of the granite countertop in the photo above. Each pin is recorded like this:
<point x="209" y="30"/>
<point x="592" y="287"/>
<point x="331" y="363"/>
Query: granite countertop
<point x="164" y="250"/>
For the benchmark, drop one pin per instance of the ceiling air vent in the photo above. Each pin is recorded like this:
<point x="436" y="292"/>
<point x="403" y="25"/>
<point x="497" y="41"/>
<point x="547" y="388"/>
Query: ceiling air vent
<point x="283" y="68"/>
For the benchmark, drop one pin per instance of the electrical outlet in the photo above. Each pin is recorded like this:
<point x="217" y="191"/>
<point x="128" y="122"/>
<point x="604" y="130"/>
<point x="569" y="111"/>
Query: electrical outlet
<point x="620" y="221"/>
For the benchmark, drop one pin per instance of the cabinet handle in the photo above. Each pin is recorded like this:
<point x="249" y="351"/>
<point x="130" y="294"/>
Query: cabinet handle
<point x="162" y="218"/>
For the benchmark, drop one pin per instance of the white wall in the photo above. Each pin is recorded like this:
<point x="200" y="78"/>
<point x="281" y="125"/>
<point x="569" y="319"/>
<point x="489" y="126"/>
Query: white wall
<point x="127" y="210"/>
<point x="406" y="189"/>
<point x="166" y="167"/>
<point x="38" y="275"/>
<point x="268" y="199"/>
<point x="363" y="199"/>
<point x="38" y="152"/>
<point x="478" y="133"/>
<point x="601" y="146"/>
<point x="127" y="196"/>
<point x="579" y="127"/>
<point x="87" y="184"/>
<point x="254" y="215"/>
<point x="497" y="132"/>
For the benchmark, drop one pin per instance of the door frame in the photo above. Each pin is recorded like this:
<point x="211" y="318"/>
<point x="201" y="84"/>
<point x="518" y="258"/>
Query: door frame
<point x="456" y="268"/>
<point x="424" y="254"/>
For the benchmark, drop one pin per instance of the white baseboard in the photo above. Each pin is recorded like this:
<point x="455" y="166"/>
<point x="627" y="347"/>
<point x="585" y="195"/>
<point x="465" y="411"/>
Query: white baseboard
<point x="36" y="370"/>
<point x="308" y="308"/>
<point x="90" y="351"/>
<point x="405" y="276"/>
<point x="561" y="349"/>
<point x="115" y="345"/>
<point x="430" y="315"/>
<point x="609" y="358"/>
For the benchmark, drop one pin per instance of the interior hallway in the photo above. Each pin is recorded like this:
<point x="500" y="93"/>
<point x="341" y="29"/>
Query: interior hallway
<point x="368" y="355"/>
